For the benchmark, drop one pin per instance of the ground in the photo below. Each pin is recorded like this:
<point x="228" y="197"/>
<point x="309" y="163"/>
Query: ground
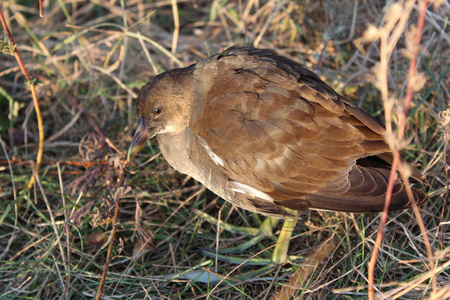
<point x="88" y="59"/>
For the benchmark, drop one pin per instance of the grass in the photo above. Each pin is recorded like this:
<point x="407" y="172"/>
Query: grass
<point x="89" y="59"/>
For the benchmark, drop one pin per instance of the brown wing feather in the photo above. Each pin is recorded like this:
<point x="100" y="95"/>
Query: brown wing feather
<point x="367" y="193"/>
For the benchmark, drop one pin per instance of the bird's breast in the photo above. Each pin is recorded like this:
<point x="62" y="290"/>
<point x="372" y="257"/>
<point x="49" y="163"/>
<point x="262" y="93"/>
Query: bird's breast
<point x="185" y="153"/>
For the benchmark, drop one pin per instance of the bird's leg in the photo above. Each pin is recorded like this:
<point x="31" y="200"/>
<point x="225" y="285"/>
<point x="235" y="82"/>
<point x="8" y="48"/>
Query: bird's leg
<point x="279" y="255"/>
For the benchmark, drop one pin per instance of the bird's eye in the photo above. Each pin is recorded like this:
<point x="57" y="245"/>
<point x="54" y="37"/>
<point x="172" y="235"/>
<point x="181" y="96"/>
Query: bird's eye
<point x="157" y="111"/>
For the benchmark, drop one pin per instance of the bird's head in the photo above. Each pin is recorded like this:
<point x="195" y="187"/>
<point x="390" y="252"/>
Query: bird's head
<point x="163" y="107"/>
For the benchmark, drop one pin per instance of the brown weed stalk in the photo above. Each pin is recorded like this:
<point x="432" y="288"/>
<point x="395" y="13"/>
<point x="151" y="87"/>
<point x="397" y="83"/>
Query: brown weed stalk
<point x="396" y="18"/>
<point x="13" y="51"/>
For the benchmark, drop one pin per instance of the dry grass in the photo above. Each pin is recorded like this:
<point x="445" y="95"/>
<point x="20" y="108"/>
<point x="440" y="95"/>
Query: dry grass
<point x="89" y="59"/>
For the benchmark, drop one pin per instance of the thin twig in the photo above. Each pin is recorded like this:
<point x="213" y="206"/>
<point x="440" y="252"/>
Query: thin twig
<point x="387" y="44"/>
<point x="406" y="103"/>
<point x="176" y="30"/>
<point x="41" y="10"/>
<point x="109" y="255"/>
<point x="34" y="96"/>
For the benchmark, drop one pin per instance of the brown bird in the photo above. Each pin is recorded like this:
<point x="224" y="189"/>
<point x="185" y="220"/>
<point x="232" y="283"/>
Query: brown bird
<point x="264" y="133"/>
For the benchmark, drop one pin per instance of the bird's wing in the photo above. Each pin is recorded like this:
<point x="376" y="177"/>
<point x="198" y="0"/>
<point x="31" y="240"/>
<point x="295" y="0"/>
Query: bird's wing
<point x="279" y="129"/>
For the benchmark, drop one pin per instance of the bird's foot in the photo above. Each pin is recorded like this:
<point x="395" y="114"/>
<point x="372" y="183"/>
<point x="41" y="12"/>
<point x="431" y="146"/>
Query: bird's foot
<point x="270" y="260"/>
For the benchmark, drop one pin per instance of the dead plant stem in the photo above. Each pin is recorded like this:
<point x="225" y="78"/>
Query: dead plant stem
<point x="34" y="96"/>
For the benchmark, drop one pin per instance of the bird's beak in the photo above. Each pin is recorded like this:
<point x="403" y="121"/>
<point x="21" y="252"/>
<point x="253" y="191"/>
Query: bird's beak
<point x="142" y="135"/>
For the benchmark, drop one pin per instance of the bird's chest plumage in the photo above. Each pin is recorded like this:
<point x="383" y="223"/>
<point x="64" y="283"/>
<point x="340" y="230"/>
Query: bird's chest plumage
<point x="185" y="154"/>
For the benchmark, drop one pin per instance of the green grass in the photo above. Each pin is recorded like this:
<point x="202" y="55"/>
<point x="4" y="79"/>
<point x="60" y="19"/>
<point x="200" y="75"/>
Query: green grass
<point x="52" y="235"/>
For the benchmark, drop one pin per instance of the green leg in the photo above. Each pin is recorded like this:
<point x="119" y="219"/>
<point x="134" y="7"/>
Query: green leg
<point x="280" y="252"/>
